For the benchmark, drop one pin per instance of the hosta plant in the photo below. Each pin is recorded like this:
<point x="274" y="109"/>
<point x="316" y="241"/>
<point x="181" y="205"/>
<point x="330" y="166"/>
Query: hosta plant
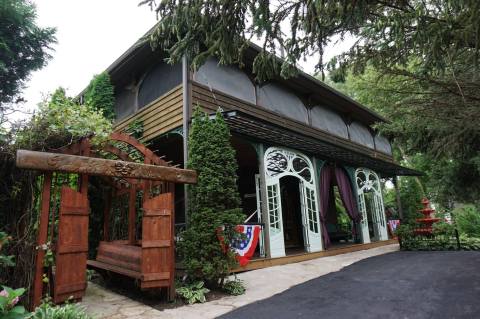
<point x="193" y="293"/>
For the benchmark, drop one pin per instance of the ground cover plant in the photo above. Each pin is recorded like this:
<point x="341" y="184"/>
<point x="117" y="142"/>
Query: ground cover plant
<point x="193" y="293"/>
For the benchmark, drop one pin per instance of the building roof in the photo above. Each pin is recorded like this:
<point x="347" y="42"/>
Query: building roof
<point x="140" y="54"/>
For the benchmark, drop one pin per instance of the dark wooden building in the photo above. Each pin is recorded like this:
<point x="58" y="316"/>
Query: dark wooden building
<point x="308" y="155"/>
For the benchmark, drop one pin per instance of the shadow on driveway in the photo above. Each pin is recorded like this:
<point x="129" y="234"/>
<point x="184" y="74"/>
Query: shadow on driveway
<point x="396" y="285"/>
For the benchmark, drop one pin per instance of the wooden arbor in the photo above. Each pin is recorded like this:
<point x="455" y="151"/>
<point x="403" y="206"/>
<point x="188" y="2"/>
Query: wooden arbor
<point x="150" y="260"/>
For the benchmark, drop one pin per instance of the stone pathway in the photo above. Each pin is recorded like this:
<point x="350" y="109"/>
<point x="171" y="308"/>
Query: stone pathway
<point x="260" y="284"/>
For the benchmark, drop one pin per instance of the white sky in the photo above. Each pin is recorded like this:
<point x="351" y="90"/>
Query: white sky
<point x="91" y="34"/>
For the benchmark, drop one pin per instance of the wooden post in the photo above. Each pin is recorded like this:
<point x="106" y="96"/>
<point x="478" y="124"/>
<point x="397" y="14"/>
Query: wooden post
<point x="171" y="291"/>
<point x="132" y="214"/>
<point x="42" y="240"/>
<point x="397" y="196"/>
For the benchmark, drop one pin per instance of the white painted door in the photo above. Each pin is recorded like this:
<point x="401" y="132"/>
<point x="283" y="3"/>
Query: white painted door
<point x="364" y="224"/>
<point x="380" y="212"/>
<point x="368" y="183"/>
<point x="275" y="222"/>
<point x="280" y="162"/>
<point x="310" y="217"/>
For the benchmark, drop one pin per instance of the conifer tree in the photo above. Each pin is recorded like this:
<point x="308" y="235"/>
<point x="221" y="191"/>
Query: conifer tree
<point x="213" y="202"/>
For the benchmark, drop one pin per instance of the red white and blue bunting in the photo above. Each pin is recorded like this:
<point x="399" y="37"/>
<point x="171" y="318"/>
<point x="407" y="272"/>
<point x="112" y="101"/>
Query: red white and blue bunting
<point x="245" y="247"/>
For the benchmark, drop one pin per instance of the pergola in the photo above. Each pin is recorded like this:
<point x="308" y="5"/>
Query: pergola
<point x="151" y="259"/>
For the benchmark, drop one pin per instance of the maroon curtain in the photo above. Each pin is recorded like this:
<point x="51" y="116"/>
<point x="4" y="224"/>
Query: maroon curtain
<point x="346" y="194"/>
<point x="326" y="175"/>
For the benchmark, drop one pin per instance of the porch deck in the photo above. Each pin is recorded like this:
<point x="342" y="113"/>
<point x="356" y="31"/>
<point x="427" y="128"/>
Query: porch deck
<point x="259" y="263"/>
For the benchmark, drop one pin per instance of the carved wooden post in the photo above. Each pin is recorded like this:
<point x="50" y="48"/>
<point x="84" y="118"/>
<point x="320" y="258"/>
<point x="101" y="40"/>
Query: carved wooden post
<point x="42" y="240"/>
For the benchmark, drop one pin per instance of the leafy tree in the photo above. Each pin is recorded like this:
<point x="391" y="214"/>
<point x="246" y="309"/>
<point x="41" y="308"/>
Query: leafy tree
<point x="213" y="202"/>
<point x="440" y="140"/>
<point x="61" y="121"/>
<point x="24" y="46"/>
<point x="100" y="95"/>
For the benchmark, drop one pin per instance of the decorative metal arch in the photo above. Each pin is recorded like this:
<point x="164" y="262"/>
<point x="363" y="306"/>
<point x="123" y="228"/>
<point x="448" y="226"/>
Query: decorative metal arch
<point x="280" y="162"/>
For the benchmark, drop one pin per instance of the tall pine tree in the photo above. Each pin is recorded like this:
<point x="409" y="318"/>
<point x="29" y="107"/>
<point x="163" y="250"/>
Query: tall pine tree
<point x="213" y="202"/>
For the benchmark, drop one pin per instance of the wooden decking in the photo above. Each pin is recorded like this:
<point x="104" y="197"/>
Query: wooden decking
<point x="269" y="262"/>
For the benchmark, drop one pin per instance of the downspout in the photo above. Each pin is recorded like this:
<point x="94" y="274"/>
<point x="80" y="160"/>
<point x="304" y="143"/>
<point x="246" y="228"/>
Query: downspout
<point x="186" y="119"/>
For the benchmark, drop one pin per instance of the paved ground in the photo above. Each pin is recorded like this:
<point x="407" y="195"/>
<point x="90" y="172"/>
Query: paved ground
<point x="260" y="284"/>
<point x="395" y="285"/>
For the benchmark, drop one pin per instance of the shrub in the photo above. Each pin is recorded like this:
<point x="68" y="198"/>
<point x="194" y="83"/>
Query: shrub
<point x="234" y="287"/>
<point x="9" y="299"/>
<point x="467" y="219"/>
<point x="213" y="202"/>
<point x="193" y="293"/>
<point x="443" y="228"/>
<point x="443" y="238"/>
<point x="468" y="243"/>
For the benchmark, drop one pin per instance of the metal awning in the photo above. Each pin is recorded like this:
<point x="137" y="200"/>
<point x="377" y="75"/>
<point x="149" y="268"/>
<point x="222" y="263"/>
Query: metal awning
<point x="249" y="126"/>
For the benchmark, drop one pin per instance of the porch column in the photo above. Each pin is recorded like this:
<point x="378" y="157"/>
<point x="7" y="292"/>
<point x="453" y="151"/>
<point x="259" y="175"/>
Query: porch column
<point x="186" y="119"/>
<point x="316" y="170"/>
<point x="264" y="200"/>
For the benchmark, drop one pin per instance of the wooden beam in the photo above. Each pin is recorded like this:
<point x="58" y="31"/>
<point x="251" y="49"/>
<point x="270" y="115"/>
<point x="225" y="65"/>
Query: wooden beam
<point x="102" y="167"/>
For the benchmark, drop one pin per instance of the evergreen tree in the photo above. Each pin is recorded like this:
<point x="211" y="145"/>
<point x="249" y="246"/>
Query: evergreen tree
<point x="437" y="32"/>
<point x="24" y="47"/>
<point x="213" y="202"/>
<point x="100" y="95"/>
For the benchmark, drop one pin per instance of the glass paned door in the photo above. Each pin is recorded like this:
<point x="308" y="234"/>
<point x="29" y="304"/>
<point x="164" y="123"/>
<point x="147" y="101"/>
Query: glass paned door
<point x="370" y="202"/>
<point x="274" y="205"/>
<point x="311" y="226"/>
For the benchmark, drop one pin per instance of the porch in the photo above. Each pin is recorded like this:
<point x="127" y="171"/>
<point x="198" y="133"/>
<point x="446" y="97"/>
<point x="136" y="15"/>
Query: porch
<point x="259" y="263"/>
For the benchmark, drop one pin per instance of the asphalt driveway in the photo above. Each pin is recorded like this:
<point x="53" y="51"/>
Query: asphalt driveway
<point x="396" y="285"/>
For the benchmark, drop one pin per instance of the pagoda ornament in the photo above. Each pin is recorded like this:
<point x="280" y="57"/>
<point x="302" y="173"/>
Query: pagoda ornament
<point x="425" y="224"/>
